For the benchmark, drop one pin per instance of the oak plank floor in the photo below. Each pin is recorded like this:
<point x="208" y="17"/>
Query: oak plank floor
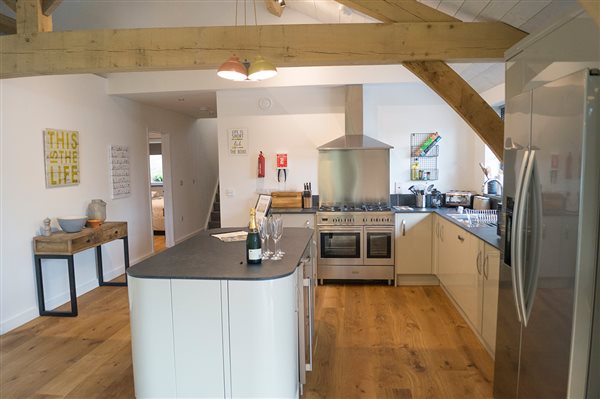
<point x="371" y="342"/>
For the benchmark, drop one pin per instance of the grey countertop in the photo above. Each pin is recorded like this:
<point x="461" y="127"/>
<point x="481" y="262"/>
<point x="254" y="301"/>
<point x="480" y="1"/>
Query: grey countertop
<point x="487" y="234"/>
<point x="314" y="209"/>
<point x="205" y="257"/>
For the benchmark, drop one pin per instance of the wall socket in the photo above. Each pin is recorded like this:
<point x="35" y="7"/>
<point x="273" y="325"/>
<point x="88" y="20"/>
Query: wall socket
<point x="397" y="188"/>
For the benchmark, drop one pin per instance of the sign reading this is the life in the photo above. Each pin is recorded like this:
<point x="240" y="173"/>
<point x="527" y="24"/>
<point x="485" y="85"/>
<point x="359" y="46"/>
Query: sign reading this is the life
<point x="61" y="149"/>
<point x="238" y="141"/>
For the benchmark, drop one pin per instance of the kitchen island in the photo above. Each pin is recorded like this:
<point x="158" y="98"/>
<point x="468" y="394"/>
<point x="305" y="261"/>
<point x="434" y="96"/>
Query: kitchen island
<point x="205" y="324"/>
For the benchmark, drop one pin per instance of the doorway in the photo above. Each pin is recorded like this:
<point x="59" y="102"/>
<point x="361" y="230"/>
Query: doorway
<point x="159" y="191"/>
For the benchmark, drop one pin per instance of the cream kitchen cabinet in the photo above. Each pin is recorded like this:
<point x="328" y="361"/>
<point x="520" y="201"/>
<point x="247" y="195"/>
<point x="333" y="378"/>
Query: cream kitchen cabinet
<point x="468" y="268"/>
<point x="490" y="271"/>
<point x="413" y="243"/>
<point x="297" y="219"/>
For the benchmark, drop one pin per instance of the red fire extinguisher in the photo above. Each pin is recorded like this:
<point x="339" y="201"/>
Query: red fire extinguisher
<point x="261" y="165"/>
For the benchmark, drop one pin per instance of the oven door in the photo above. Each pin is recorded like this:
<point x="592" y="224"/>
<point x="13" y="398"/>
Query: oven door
<point x="340" y="245"/>
<point x="379" y="245"/>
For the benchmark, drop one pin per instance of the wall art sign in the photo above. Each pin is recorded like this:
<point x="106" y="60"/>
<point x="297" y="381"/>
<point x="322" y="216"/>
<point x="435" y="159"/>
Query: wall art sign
<point x="61" y="152"/>
<point x="119" y="171"/>
<point x="238" y="141"/>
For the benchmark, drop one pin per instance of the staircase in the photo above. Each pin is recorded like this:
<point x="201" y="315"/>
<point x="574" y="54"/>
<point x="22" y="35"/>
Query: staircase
<point x="215" y="214"/>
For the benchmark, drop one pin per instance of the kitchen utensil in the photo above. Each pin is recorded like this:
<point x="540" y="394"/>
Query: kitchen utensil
<point x="429" y="188"/>
<point x="72" y="224"/>
<point x="420" y="200"/>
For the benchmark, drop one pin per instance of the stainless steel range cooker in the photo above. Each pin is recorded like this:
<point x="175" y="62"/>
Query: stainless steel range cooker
<point x="355" y="242"/>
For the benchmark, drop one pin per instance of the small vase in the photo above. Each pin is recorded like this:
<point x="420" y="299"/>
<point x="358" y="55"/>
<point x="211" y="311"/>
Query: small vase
<point x="97" y="210"/>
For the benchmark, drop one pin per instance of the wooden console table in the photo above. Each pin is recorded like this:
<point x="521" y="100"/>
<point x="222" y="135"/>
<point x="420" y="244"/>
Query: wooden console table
<point x="61" y="245"/>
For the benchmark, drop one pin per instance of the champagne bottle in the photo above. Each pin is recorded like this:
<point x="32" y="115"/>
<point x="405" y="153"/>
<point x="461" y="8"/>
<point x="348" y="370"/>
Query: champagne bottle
<point x="253" y="250"/>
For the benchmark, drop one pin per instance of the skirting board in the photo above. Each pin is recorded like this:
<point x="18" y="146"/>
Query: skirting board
<point x="33" y="312"/>
<point x="416" y="279"/>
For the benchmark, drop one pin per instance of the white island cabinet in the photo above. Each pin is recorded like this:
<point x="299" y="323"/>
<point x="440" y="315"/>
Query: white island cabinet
<point x="206" y="325"/>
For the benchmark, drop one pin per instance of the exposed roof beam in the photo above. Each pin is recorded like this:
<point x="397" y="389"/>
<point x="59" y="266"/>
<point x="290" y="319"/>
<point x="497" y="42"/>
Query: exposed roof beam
<point x="437" y="74"/>
<point x="31" y="19"/>
<point x="128" y="50"/>
<point x="12" y="4"/>
<point x="463" y="99"/>
<point x="48" y="6"/>
<point x="8" y="25"/>
<point x="397" y="10"/>
<point x="275" y="7"/>
<point x="592" y="7"/>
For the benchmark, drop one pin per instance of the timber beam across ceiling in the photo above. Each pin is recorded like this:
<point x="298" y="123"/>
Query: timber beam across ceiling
<point x="442" y="79"/>
<point x="154" y="49"/>
<point x="464" y="100"/>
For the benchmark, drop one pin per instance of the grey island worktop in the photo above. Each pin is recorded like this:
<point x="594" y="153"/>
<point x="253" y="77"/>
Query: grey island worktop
<point x="205" y="257"/>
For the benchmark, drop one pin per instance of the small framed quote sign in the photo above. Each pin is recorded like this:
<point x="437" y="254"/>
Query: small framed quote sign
<point x="61" y="151"/>
<point x="119" y="171"/>
<point x="238" y="141"/>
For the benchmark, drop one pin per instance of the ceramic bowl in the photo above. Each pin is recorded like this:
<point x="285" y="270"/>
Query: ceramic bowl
<point x="71" y="224"/>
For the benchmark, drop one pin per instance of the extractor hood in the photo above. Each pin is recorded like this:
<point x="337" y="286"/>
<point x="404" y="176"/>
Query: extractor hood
<point x="354" y="139"/>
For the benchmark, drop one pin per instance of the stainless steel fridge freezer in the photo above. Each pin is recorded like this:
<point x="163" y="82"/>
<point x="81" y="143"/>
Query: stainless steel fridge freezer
<point x="549" y="243"/>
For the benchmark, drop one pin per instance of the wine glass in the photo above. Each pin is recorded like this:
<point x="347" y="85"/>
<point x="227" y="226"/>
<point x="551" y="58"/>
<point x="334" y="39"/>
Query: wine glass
<point x="276" y="231"/>
<point x="267" y="231"/>
<point x="280" y="227"/>
<point x="263" y="228"/>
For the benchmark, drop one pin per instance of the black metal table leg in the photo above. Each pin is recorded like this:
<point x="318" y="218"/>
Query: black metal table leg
<point x="101" y="281"/>
<point x="40" y="285"/>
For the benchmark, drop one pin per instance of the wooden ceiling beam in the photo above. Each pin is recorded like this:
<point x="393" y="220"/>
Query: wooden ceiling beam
<point x="154" y="49"/>
<point x="48" y="6"/>
<point x="8" y="25"/>
<point x="12" y="4"/>
<point x="442" y="79"/>
<point x="275" y="7"/>
<point x="463" y="99"/>
<point x="391" y="11"/>
<point x="31" y="19"/>
<point x="592" y="7"/>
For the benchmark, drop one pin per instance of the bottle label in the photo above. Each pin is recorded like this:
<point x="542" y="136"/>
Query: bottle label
<point x="254" y="254"/>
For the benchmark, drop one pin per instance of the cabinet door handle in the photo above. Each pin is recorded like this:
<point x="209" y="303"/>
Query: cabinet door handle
<point x="461" y="238"/>
<point x="479" y="262"/>
<point x="485" y="267"/>
<point x="403" y="227"/>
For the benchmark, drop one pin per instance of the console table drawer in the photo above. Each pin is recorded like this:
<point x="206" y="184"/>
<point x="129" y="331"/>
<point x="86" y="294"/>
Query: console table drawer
<point x="113" y="232"/>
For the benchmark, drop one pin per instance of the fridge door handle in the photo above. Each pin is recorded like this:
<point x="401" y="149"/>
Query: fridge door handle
<point x="517" y="237"/>
<point x="530" y="288"/>
<point x="521" y="222"/>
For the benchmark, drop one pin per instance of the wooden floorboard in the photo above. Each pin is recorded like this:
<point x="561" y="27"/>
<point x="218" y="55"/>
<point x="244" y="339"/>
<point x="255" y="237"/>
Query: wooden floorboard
<point x="371" y="342"/>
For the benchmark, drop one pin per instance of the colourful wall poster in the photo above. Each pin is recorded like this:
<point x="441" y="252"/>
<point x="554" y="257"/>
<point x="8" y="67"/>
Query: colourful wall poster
<point x="238" y="141"/>
<point x="61" y="151"/>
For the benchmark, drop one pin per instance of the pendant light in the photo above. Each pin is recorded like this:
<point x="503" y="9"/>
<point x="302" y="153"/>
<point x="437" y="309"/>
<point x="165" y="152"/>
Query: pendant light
<point x="234" y="69"/>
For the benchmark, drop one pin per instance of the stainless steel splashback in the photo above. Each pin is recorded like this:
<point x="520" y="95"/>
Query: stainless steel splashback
<point x="354" y="176"/>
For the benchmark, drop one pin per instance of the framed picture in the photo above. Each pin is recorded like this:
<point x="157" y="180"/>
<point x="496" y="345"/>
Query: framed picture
<point x="262" y="207"/>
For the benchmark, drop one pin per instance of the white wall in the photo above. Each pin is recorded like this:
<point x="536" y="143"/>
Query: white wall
<point x="393" y="111"/>
<point x="78" y="102"/>
<point x="301" y="119"/>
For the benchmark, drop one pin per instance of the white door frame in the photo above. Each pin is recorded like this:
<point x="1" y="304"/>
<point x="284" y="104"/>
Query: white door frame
<point x="167" y="184"/>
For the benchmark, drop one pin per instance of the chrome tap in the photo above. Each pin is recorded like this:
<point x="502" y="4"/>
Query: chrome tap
<point x="485" y="186"/>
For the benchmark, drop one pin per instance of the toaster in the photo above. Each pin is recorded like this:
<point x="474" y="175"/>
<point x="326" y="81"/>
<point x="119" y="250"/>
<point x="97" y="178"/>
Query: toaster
<point x="480" y="202"/>
<point x="459" y="198"/>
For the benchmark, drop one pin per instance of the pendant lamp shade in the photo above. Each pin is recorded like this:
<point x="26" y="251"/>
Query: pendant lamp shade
<point x="261" y="69"/>
<point x="233" y="69"/>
